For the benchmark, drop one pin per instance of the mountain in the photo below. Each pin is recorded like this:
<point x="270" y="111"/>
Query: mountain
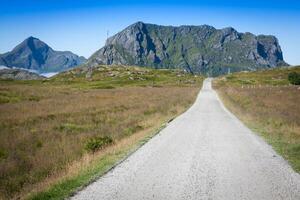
<point x="18" y="74"/>
<point x="198" y="49"/>
<point x="34" y="54"/>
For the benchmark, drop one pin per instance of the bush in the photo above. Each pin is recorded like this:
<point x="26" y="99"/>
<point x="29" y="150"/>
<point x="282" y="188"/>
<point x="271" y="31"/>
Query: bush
<point x="3" y="154"/>
<point x="294" y="78"/>
<point x="96" y="143"/>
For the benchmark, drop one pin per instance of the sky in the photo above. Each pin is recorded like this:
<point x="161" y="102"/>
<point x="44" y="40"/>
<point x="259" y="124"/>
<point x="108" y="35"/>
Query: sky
<point x="82" y="26"/>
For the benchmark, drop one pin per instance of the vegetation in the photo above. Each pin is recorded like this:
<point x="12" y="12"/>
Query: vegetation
<point x="267" y="103"/>
<point x="198" y="49"/>
<point x="294" y="78"/>
<point x="59" y="134"/>
<point x="95" y="143"/>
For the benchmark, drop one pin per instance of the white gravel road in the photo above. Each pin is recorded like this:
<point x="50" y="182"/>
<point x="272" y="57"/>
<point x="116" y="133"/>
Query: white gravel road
<point x="206" y="153"/>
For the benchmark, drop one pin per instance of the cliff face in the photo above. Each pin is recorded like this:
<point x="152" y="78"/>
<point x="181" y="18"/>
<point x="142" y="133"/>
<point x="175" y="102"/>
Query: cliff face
<point x="34" y="54"/>
<point x="198" y="49"/>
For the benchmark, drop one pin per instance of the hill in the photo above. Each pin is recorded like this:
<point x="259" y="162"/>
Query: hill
<point x="34" y="54"/>
<point x="197" y="49"/>
<point x="107" y="77"/>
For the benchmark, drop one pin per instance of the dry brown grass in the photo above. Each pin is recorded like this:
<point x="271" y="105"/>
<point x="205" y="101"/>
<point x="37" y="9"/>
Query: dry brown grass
<point x="44" y="129"/>
<point x="88" y="162"/>
<point x="269" y="105"/>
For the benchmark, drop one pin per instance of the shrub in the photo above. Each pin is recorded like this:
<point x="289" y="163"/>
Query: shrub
<point x="34" y="98"/>
<point x="3" y="154"/>
<point x="294" y="78"/>
<point x="96" y="143"/>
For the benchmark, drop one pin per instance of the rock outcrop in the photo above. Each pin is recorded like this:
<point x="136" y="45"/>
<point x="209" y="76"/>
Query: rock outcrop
<point x="18" y="74"/>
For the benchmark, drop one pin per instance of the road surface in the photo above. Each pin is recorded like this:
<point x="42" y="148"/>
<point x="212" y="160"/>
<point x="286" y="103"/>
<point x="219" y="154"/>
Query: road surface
<point x="205" y="153"/>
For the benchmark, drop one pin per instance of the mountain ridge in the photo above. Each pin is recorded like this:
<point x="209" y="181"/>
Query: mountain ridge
<point x="198" y="49"/>
<point x="35" y="54"/>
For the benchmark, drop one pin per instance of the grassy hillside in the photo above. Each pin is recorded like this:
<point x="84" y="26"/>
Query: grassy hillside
<point x="60" y="133"/>
<point x="269" y="104"/>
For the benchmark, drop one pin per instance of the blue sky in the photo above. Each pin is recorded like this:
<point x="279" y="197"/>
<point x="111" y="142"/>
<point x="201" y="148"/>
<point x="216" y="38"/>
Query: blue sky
<point x="81" y="26"/>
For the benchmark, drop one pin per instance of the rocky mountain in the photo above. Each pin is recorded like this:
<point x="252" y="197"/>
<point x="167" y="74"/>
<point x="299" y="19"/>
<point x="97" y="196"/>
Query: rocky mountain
<point x="34" y="54"/>
<point x="198" y="49"/>
<point x="18" y="74"/>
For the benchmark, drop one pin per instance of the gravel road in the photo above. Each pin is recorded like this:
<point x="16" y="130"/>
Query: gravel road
<point x="205" y="153"/>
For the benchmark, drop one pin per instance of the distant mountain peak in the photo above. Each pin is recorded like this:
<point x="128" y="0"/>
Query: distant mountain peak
<point x="139" y="23"/>
<point x="31" y="39"/>
<point x="35" y="43"/>
<point x="35" y="54"/>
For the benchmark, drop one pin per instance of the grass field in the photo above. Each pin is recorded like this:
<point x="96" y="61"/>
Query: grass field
<point x="45" y="125"/>
<point x="269" y="105"/>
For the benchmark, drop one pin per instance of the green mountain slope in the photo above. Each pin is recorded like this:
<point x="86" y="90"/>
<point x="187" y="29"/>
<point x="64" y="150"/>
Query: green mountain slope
<point x="198" y="49"/>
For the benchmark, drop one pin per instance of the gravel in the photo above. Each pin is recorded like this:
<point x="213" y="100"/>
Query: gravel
<point x="205" y="153"/>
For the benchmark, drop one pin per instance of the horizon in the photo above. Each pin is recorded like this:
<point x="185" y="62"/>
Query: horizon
<point x="82" y="27"/>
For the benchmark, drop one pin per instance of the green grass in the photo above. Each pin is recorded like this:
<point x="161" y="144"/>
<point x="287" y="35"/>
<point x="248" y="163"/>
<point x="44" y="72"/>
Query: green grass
<point x="104" y="77"/>
<point x="271" y="77"/>
<point x="9" y="97"/>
